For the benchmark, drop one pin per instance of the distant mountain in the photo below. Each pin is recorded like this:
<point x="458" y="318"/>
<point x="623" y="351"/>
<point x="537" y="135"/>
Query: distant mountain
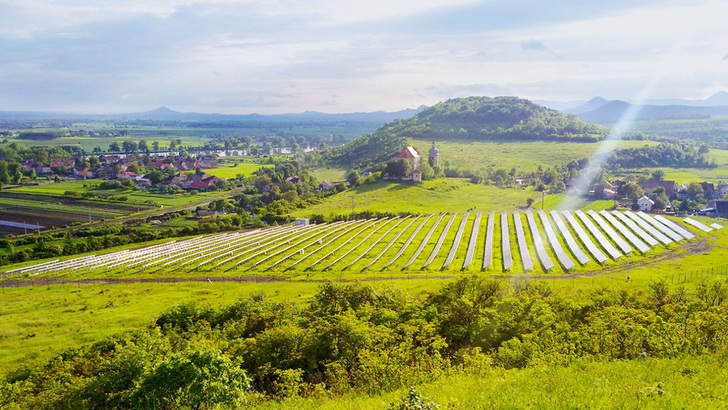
<point x="612" y="111"/>
<point x="166" y="114"/>
<point x="590" y="105"/>
<point x="473" y="118"/>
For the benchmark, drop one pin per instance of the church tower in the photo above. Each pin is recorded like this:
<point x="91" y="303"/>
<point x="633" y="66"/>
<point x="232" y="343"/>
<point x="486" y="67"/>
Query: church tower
<point x="434" y="155"/>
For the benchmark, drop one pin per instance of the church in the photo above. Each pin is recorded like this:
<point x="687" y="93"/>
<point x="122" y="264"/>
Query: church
<point x="412" y="155"/>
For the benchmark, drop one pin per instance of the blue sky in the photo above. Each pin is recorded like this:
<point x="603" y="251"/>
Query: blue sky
<point x="344" y="56"/>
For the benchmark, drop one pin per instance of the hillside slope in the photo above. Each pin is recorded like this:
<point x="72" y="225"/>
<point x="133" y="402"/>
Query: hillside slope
<point x="472" y="118"/>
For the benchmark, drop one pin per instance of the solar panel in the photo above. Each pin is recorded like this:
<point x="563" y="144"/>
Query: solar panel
<point x="505" y="243"/>
<point x="408" y="242"/>
<point x="649" y="228"/>
<point x="716" y="226"/>
<point x="522" y="245"/>
<point x="603" y="241"/>
<point x="424" y="242"/>
<point x="456" y="242"/>
<point x="488" y="252"/>
<point x="698" y="225"/>
<point x="585" y="239"/>
<point x="566" y="263"/>
<point x="543" y="256"/>
<point x="440" y="240"/>
<point x="636" y="228"/>
<point x="623" y="245"/>
<point x="473" y="241"/>
<point x="675" y="227"/>
<point x="631" y="237"/>
<point x="569" y="238"/>
<point x="662" y="228"/>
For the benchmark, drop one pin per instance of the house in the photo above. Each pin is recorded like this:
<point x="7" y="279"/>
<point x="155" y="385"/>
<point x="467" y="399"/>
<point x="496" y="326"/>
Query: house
<point x="326" y="185"/>
<point x="124" y="175"/>
<point x="206" y="162"/>
<point x="85" y="172"/>
<point x="412" y="156"/>
<point x="608" y="193"/>
<point x="301" y="222"/>
<point x="645" y="204"/>
<point x="295" y="179"/>
<point x="670" y="186"/>
<point x="709" y="190"/>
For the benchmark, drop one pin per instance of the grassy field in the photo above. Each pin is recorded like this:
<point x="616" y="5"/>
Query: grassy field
<point x="524" y="156"/>
<point x="689" y="382"/>
<point x="233" y="170"/>
<point x="441" y="195"/>
<point x="332" y="174"/>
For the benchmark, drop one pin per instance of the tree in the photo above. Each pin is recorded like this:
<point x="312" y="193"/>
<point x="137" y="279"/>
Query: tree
<point x="658" y="174"/>
<point x="143" y="146"/>
<point x="93" y="161"/>
<point x="155" y="146"/>
<point x="114" y="147"/>
<point x="695" y="190"/>
<point x="398" y="168"/>
<point x="134" y="168"/>
<point x="352" y="177"/>
<point x="196" y="379"/>
<point x="427" y="171"/>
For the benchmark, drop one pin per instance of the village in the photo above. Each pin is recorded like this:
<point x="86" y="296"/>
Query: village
<point x="181" y="172"/>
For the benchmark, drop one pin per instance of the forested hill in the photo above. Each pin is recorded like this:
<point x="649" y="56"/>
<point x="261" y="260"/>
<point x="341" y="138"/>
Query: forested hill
<point x="474" y="118"/>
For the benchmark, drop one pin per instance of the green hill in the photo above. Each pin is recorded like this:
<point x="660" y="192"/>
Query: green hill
<point x="472" y="118"/>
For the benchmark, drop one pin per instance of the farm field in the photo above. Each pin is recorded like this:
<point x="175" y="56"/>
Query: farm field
<point x="138" y="197"/>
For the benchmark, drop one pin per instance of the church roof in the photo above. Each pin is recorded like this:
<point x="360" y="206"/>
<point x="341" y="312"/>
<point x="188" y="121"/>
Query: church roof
<point x="409" y="152"/>
<point x="434" y="151"/>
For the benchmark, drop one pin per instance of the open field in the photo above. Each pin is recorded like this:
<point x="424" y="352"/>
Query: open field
<point x="331" y="174"/>
<point x="523" y="155"/>
<point x="233" y="170"/>
<point x="688" y="382"/>
<point x="440" y="195"/>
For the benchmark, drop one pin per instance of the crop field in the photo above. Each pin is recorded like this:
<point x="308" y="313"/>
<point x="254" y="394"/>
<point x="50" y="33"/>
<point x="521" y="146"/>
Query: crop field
<point x="538" y="243"/>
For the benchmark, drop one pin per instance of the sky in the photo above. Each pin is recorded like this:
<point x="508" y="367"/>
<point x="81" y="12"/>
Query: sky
<point x="280" y="56"/>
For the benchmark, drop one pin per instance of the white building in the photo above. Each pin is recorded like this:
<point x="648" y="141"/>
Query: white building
<point x="645" y="204"/>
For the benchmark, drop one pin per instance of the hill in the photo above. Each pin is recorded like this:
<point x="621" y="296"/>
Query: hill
<point x="612" y="111"/>
<point x="164" y="114"/>
<point x="472" y="118"/>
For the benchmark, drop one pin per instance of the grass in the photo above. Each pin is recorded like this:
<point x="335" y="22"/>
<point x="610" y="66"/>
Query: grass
<point x="39" y="322"/>
<point x="441" y="195"/>
<point x="331" y="174"/>
<point x="233" y="170"/>
<point x="688" y="382"/>
<point x="523" y="155"/>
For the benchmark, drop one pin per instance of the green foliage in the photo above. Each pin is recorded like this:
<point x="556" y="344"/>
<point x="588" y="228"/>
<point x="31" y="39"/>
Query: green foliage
<point x="413" y="400"/>
<point x="196" y="379"/>
<point x="355" y="338"/>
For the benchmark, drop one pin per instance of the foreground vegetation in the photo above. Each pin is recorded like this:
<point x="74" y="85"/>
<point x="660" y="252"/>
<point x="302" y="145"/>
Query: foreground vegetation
<point x="357" y="339"/>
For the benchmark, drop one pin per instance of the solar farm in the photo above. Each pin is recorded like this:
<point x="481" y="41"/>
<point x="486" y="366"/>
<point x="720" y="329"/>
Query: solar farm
<point x="511" y="242"/>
